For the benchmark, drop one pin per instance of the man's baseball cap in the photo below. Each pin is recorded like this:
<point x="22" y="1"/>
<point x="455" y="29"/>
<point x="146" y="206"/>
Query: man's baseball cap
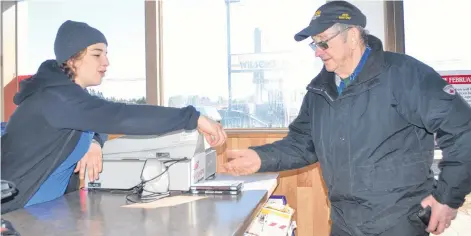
<point x="329" y="14"/>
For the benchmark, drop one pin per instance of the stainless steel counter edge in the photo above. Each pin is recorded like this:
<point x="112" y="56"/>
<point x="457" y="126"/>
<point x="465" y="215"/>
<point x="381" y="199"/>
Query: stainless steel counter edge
<point x="100" y="213"/>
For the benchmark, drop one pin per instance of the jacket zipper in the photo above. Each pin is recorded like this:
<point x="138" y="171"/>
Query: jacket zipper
<point x="319" y="90"/>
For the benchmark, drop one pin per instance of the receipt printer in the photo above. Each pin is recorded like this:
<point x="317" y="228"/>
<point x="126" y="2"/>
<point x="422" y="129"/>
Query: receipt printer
<point x="132" y="160"/>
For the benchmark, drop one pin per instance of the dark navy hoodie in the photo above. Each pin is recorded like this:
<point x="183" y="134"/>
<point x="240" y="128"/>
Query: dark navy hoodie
<point x="46" y="126"/>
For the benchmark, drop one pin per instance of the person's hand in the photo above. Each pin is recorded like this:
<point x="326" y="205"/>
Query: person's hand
<point x="212" y="131"/>
<point x="91" y="162"/>
<point x="242" y="162"/>
<point x="441" y="217"/>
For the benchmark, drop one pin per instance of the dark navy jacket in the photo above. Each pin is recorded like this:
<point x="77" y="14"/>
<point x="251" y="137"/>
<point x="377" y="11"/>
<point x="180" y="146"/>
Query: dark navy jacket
<point x="42" y="131"/>
<point x="375" y="142"/>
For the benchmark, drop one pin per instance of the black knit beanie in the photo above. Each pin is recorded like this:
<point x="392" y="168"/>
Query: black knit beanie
<point x="72" y="37"/>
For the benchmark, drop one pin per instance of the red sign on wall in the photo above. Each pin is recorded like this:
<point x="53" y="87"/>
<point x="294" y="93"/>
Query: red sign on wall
<point x="461" y="82"/>
<point x="457" y="79"/>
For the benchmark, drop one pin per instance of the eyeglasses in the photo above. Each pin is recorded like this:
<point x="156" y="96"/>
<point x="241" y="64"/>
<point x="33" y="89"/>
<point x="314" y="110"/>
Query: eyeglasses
<point x="323" y="44"/>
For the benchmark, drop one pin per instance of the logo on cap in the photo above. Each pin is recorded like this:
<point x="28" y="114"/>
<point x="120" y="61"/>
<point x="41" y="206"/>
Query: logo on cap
<point x="345" y="16"/>
<point x="316" y="15"/>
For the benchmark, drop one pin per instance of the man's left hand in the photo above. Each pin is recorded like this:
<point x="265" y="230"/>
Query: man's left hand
<point x="441" y="217"/>
<point x="90" y="162"/>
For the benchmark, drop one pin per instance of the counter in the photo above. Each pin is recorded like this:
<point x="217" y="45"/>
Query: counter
<point x="101" y="213"/>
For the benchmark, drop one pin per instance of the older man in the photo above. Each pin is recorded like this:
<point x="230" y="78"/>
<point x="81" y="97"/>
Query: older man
<point x="369" y="119"/>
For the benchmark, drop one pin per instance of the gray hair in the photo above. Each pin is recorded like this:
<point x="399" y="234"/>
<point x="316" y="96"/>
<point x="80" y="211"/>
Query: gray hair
<point x="363" y="32"/>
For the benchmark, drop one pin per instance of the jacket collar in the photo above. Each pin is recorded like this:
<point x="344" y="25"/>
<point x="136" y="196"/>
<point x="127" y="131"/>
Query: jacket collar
<point x="325" y="81"/>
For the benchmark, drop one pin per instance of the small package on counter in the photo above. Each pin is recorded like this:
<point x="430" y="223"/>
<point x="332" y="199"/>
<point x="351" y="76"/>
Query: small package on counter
<point x="273" y="220"/>
<point x="277" y="199"/>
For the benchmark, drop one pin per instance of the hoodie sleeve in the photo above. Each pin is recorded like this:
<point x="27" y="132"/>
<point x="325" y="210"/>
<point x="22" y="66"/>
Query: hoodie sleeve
<point x="428" y="101"/>
<point x="73" y="108"/>
<point x="100" y="138"/>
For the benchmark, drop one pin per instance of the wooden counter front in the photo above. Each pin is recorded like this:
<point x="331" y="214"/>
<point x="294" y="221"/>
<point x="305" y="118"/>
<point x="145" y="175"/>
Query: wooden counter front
<point x="304" y="188"/>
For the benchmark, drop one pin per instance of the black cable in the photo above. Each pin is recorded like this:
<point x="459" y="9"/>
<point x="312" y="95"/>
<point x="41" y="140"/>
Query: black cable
<point x="138" y="190"/>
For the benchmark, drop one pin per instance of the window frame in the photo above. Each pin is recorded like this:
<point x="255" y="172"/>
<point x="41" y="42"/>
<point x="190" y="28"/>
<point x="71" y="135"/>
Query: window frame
<point x="394" y="26"/>
<point x="4" y="6"/>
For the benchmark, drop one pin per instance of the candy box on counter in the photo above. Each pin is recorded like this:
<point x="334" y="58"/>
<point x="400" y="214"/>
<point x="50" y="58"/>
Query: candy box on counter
<point x="272" y="220"/>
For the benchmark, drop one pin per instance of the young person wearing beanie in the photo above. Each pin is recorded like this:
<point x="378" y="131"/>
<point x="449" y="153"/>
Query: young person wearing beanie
<point x="55" y="129"/>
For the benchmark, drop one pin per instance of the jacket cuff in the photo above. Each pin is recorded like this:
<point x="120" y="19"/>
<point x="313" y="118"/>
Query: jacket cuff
<point x="193" y="120"/>
<point x="269" y="163"/>
<point x="445" y="195"/>
<point x="101" y="140"/>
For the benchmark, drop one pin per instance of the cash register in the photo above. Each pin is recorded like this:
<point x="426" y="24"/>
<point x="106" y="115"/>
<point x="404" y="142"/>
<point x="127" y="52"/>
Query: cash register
<point x="159" y="163"/>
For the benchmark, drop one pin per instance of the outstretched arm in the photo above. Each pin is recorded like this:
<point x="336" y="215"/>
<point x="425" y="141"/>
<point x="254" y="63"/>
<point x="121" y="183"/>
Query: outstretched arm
<point x="76" y="109"/>
<point x="294" y="151"/>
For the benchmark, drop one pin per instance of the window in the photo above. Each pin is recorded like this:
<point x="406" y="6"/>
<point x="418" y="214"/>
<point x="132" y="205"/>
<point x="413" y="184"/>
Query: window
<point x="123" y="25"/>
<point x="375" y="18"/>
<point x="265" y="82"/>
<point x="438" y="38"/>
<point x="239" y="57"/>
